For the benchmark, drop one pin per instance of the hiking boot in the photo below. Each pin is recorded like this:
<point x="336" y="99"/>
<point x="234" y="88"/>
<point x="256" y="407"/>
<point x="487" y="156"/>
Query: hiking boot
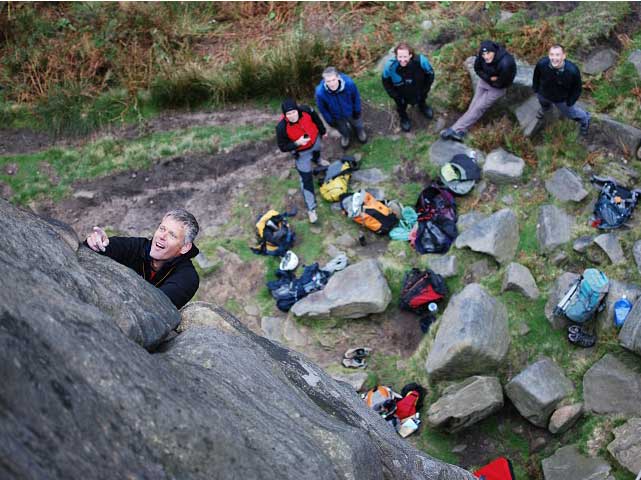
<point x="354" y="363"/>
<point x="406" y="124"/>
<point x="311" y="214"/>
<point x="345" y="142"/>
<point x="540" y="113"/>
<point x="323" y="163"/>
<point x="450" y="134"/>
<point x="359" y="352"/>
<point x="582" y="339"/>
<point x="361" y="135"/>
<point x="585" y="128"/>
<point x="427" y="112"/>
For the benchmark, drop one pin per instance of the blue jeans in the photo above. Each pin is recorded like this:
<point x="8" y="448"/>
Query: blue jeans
<point x="573" y="113"/>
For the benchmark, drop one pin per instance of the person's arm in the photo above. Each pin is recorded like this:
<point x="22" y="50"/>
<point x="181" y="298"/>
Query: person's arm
<point x="356" y="101"/>
<point x="181" y="286"/>
<point x="536" y="78"/>
<point x="429" y="71"/>
<point x="507" y="72"/>
<point x="323" y="108"/>
<point x="576" y="88"/>
<point x="478" y="68"/>
<point x="284" y="143"/>
<point x="388" y="85"/>
<point x="316" y="119"/>
<point x="123" y="250"/>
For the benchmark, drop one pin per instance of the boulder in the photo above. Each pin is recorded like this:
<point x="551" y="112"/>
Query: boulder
<point x="626" y="137"/>
<point x="554" y="227"/>
<point x="635" y="59"/>
<point x="537" y="390"/>
<point x="466" y="220"/>
<point x="518" y="278"/>
<point x="611" y="386"/>
<point x="599" y="61"/>
<point x="466" y="403"/>
<point x="559" y="289"/>
<point x="200" y="314"/>
<point x="626" y="446"/>
<point x="581" y="244"/>
<point x="442" y="151"/>
<point x="357" y="291"/>
<point x="444" y="265"/>
<point x="636" y="251"/>
<point x="355" y="380"/>
<point x="369" y="176"/>
<point x="609" y="243"/>
<point x="567" y="463"/>
<point x="526" y="116"/>
<point x="479" y="270"/>
<point x="564" y="418"/>
<point x="502" y="167"/>
<point x="565" y="185"/>
<point x="616" y="290"/>
<point x="498" y="236"/>
<point x="630" y="334"/>
<point x="80" y="399"/>
<point x="472" y="338"/>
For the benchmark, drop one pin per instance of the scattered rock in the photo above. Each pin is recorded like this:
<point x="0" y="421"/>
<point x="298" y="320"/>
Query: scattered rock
<point x="538" y="444"/>
<point x="427" y="25"/>
<point x="84" y="194"/>
<point x="564" y="417"/>
<point x="559" y="258"/>
<point x="355" y="380"/>
<point x="11" y="169"/>
<point x="346" y="241"/>
<point x="272" y="328"/>
<point x="446" y="266"/>
<point x="498" y="235"/>
<point x="502" y="167"/>
<point x="369" y="176"/>
<point x="442" y="151"/>
<point x="507" y="200"/>
<point x="459" y="448"/>
<point x="609" y="243"/>
<point x="466" y="220"/>
<point x="466" y="403"/>
<point x="599" y="61"/>
<point x="627" y="137"/>
<point x="581" y="244"/>
<point x="518" y="278"/>
<point x="333" y="251"/>
<point x="626" y="446"/>
<point x="357" y="291"/>
<point x="636" y="251"/>
<point x="623" y="174"/>
<point x="524" y="329"/>
<point x="554" y="227"/>
<point x="610" y="386"/>
<point x="505" y="15"/>
<point x="567" y="463"/>
<point x="559" y="289"/>
<point x="6" y="191"/>
<point x="292" y="191"/>
<point x="251" y="310"/>
<point x="616" y="290"/>
<point x="477" y="271"/>
<point x="203" y="262"/>
<point x="630" y="334"/>
<point x="635" y="59"/>
<point x="472" y="338"/>
<point x="565" y="185"/>
<point x="526" y="116"/>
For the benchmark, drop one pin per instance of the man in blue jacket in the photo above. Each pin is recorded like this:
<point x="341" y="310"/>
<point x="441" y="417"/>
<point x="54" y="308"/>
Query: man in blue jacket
<point x="407" y="78"/>
<point x="557" y="82"/>
<point x="339" y="103"/>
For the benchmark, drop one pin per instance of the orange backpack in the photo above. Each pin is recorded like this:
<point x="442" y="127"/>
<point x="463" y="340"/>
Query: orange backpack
<point x="365" y="210"/>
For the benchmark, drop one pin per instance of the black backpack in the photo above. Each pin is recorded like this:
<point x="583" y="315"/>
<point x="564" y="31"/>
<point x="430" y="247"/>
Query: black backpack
<point x="437" y="217"/>
<point x="288" y="289"/>
<point x="615" y="204"/>
<point x="420" y="288"/>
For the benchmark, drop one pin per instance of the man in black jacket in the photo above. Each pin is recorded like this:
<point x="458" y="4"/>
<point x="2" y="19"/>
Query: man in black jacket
<point x="557" y="81"/>
<point x="496" y="69"/>
<point x="164" y="261"/>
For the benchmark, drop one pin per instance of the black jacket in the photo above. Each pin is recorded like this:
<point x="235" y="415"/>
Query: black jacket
<point x="411" y="83"/>
<point x="555" y="85"/>
<point x="284" y="142"/>
<point x="177" y="279"/>
<point x="503" y="66"/>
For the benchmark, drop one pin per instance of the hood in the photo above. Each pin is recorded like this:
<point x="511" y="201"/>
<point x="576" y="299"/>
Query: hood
<point x="341" y="86"/>
<point x="494" y="47"/>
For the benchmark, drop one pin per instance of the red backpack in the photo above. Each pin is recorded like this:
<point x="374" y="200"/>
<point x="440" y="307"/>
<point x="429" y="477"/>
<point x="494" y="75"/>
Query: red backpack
<point x="420" y="288"/>
<point x="499" y="469"/>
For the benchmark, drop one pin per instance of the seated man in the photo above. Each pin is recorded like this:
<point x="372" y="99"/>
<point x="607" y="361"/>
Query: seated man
<point x="164" y="261"/>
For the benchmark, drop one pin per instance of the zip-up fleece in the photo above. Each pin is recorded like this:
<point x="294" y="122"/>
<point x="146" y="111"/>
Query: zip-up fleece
<point x="503" y="66"/>
<point x="556" y="85"/>
<point x="410" y="82"/>
<point x="308" y="123"/>
<point x="344" y="102"/>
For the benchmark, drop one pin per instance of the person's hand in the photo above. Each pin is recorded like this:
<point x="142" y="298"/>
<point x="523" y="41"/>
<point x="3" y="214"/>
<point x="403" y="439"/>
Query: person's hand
<point x="302" y="140"/>
<point x="98" y="240"/>
<point x="325" y="135"/>
<point x="494" y="78"/>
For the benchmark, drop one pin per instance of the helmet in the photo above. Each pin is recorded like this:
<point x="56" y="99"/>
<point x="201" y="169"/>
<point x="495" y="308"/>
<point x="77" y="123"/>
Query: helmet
<point x="289" y="262"/>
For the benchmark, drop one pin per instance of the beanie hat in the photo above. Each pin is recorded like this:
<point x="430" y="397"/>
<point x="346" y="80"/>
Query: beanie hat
<point x="489" y="46"/>
<point x="288" y="105"/>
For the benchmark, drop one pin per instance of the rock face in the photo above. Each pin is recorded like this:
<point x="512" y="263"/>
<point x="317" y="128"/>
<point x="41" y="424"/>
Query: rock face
<point x="357" y="291"/>
<point x="564" y="417"/>
<point x="537" y="390"/>
<point x="610" y="386"/>
<point x="472" y="338"/>
<point x="80" y="399"/>
<point x="442" y="151"/>
<point x="498" y="235"/>
<point x="568" y="464"/>
<point x="630" y="334"/>
<point x="565" y="185"/>
<point x="559" y="289"/>
<point x="626" y="137"/>
<point x="599" y="61"/>
<point x="502" y="167"/>
<point x="626" y="446"/>
<point x="554" y="228"/>
<point x="466" y="403"/>
<point x="609" y="243"/>
<point x="518" y="278"/>
<point x="616" y="290"/>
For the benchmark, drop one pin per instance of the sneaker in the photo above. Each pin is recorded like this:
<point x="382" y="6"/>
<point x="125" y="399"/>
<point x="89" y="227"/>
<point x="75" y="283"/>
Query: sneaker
<point x="313" y="218"/>
<point x="323" y="163"/>
<point x="427" y="112"/>
<point x="585" y="128"/>
<point x="450" y="134"/>
<point x="540" y="113"/>
<point x="345" y="142"/>
<point x="582" y="339"/>
<point x="359" y="352"/>
<point x="361" y="135"/>
<point x="354" y="363"/>
<point x="574" y="328"/>
<point x="406" y="124"/>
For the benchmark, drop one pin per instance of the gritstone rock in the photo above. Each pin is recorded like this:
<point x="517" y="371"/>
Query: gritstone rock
<point x="502" y="167"/>
<point x="567" y="463"/>
<point x="498" y="235"/>
<point x="519" y="279"/>
<point x="554" y="228"/>
<point x="442" y="152"/>
<point x="611" y="386"/>
<point x="472" y="338"/>
<point x="609" y="243"/>
<point x="565" y="185"/>
<point x="616" y="290"/>
<point x="537" y="390"/>
<point x="564" y="417"/>
<point x="626" y="446"/>
<point x="559" y="289"/>
<point x="630" y="334"/>
<point x="446" y="266"/>
<point x="599" y="61"/>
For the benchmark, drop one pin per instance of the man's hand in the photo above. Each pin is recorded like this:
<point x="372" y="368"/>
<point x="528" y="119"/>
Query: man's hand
<point x="98" y="240"/>
<point x="325" y="136"/>
<point x="494" y="78"/>
<point x="302" y="140"/>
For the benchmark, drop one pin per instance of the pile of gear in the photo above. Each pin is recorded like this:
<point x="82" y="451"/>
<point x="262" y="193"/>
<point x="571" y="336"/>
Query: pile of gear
<point x="400" y="411"/>
<point x="420" y="294"/>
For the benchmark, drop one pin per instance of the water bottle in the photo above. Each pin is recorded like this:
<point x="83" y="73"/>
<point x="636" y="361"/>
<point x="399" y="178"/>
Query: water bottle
<point x="622" y="308"/>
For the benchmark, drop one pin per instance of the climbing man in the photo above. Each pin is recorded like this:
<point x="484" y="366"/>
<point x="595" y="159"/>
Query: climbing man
<point x="496" y="69"/>
<point x="407" y="78"/>
<point x="557" y="82"/>
<point x="299" y="131"/>
<point x="164" y="261"/>
<point x="339" y="102"/>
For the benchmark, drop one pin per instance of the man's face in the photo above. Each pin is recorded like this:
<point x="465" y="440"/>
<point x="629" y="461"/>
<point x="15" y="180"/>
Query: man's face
<point x="488" y="56"/>
<point x="331" y="81"/>
<point x="403" y="56"/>
<point x="168" y="241"/>
<point x="557" y="56"/>
<point x="292" y="116"/>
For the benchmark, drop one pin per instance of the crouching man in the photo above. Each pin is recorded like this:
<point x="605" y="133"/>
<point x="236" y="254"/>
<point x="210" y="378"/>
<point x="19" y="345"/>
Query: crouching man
<point x="164" y="261"/>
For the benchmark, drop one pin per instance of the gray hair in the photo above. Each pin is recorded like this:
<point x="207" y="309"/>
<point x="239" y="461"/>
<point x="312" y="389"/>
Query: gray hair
<point x="330" y="71"/>
<point x="188" y="220"/>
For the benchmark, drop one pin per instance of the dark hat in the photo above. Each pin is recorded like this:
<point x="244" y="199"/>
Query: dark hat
<point x="288" y="105"/>
<point x="489" y="46"/>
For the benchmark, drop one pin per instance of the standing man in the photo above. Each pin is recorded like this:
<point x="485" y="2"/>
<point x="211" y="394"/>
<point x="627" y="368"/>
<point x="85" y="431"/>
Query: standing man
<point x="407" y="78"/>
<point x="164" y="261"/>
<point x="496" y="69"/>
<point x="557" y="82"/>
<point x="299" y="132"/>
<point x="339" y="103"/>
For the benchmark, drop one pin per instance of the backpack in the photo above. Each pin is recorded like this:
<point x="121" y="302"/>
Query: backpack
<point x="274" y="235"/>
<point x="460" y="174"/>
<point x="437" y="217"/>
<point x="382" y="400"/>
<point x="413" y="395"/>
<point x="288" y="289"/>
<point x="336" y="180"/>
<point x="584" y="297"/>
<point x="499" y="469"/>
<point x="614" y="205"/>
<point x="365" y="210"/>
<point x="420" y="288"/>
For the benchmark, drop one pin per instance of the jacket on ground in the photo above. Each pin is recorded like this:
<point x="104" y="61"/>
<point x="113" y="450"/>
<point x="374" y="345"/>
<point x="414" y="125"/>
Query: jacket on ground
<point x="503" y="66"/>
<point x="308" y="122"/>
<point x="177" y="279"/>
<point x="556" y="85"/>
<point x="410" y="83"/>
<point x="344" y="102"/>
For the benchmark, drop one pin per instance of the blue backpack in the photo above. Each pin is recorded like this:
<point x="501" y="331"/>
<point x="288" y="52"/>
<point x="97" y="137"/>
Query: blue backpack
<point x="584" y="297"/>
<point x="614" y="206"/>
